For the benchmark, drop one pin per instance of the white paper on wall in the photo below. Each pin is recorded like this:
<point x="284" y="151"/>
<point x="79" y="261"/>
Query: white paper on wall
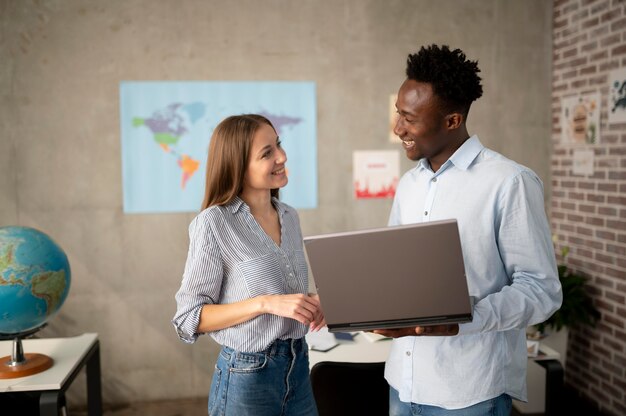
<point x="617" y="96"/>
<point x="580" y="119"/>
<point x="582" y="162"/>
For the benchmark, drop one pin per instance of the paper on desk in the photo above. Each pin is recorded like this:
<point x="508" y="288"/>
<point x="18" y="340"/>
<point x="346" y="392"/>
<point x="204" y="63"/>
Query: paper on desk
<point x="321" y="340"/>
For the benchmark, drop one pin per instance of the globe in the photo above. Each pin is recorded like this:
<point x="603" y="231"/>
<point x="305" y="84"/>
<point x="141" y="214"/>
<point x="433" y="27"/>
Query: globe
<point x="34" y="279"/>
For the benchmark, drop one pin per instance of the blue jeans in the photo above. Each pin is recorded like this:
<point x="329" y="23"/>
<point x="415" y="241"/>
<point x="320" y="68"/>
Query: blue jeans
<point x="498" y="406"/>
<point x="269" y="383"/>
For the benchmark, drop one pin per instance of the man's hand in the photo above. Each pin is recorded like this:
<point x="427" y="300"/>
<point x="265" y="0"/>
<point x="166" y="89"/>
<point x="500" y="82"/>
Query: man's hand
<point x="430" y="330"/>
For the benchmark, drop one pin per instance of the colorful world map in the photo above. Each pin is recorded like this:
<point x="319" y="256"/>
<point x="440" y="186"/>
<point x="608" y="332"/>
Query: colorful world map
<point x="166" y="129"/>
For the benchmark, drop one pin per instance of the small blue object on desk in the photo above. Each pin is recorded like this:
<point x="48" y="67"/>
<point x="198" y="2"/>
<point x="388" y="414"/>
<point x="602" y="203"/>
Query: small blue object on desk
<point x="345" y="336"/>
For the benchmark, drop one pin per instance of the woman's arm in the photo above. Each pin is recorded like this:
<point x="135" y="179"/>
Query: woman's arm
<point x="302" y="308"/>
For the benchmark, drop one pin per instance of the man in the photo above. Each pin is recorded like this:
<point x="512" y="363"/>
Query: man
<point x="473" y="368"/>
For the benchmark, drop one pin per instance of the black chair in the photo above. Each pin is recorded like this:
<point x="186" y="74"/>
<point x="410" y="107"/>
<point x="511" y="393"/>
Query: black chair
<point x="350" y="388"/>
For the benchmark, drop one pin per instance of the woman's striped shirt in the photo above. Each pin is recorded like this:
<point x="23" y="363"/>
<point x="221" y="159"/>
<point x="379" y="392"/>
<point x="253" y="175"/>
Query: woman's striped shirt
<point x="231" y="259"/>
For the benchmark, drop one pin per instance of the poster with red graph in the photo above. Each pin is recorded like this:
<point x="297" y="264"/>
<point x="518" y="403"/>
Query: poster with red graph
<point x="375" y="173"/>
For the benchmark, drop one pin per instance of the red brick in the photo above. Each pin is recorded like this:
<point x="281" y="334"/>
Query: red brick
<point x="618" y="50"/>
<point x="615" y="249"/>
<point x="605" y="235"/>
<point x="589" y="209"/>
<point x="615" y="296"/>
<point x="599" y="80"/>
<point x="599" y="222"/>
<point x="618" y="127"/>
<point x="570" y="74"/>
<point x="611" y="40"/>
<point x="618" y="274"/>
<point x="607" y="187"/>
<point x="607" y="212"/>
<point x="589" y="46"/>
<point x="613" y="392"/>
<point x="604" y="306"/>
<point x="599" y="56"/>
<point x="559" y="23"/>
<point x="567" y="227"/>
<point x="609" y="66"/>
<point x="588" y="70"/>
<point x="596" y="198"/>
<point x="610" y="15"/>
<point x="601" y="281"/>
<point x="620" y="200"/>
<point x="616" y="225"/>
<point x="569" y="53"/>
<point x="617" y="151"/>
<point x="591" y="22"/>
<point x="600" y="31"/>
<point x="599" y="7"/>
<point x="571" y="41"/>
<point x="618" y="25"/>
<point x="613" y="321"/>
<point x="571" y="7"/>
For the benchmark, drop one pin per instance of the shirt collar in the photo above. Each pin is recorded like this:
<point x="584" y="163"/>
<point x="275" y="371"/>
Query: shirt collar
<point x="238" y="204"/>
<point x="465" y="155"/>
<point x="462" y="158"/>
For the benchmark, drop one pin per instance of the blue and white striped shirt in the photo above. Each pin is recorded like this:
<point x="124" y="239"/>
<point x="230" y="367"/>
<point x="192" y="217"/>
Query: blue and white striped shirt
<point x="231" y="259"/>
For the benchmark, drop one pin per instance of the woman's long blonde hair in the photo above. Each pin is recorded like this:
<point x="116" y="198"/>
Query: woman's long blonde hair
<point x="227" y="162"/>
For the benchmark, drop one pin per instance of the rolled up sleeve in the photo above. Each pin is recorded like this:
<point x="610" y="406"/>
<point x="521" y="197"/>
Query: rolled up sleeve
<point x="202" y="279"/>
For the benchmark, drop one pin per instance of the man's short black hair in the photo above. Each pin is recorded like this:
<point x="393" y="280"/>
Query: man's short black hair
<point x="454" y="78"/>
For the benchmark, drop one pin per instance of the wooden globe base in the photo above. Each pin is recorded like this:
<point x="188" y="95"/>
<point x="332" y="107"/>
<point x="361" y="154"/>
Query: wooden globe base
<point x="35" y="363"/>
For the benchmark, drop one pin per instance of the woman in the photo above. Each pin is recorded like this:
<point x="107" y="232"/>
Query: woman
<point x="245" y="281"/>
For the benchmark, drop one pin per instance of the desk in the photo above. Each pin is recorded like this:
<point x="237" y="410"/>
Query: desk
<point x="70" y="355"/>
<point x="359" y="350"/>
<point x="544" y="380"/>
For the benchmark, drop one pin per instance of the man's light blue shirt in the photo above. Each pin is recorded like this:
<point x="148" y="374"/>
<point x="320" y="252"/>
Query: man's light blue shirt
<point x="511" y="273"/>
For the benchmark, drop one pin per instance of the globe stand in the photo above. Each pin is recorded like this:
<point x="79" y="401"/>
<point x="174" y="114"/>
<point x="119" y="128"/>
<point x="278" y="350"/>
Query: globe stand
<point x="19" y="364"/>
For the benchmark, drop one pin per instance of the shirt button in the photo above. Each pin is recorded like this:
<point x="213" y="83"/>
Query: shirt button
<point x="434" y="179"/>
<point x="425" y="212"/>
<point x="288" y="265"/>
<point x="290" y="274"/>
<point x="408" y="353"/>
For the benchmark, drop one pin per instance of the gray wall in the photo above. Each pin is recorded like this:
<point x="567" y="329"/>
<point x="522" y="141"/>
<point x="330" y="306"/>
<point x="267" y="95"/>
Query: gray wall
<point x="60" y="67"/>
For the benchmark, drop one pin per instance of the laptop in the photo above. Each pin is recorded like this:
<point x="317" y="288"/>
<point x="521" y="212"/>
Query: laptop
<point x="393" y="277"/>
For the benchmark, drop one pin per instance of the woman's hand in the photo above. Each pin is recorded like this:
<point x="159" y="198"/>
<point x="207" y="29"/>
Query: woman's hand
<point x="319" y="321"/>
<point x="303" y="308"/>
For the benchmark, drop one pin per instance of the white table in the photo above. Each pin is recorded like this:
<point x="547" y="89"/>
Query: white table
<point x="544" y="380"/>
<point x="359" y="350"/>
<point x="70" y="355"/>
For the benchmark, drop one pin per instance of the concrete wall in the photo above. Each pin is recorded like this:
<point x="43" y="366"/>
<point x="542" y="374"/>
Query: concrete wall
<point x="60" y="67"/>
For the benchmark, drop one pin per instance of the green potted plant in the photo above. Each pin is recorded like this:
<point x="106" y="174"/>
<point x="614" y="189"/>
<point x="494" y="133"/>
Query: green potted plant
<point x="577" y="309"/>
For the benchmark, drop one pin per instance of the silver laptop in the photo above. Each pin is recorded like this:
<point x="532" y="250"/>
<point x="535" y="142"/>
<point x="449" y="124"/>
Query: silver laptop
<point x="391" y="277"/>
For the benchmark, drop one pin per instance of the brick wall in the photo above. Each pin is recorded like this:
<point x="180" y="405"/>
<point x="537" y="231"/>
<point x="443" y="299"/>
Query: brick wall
<point x="588" y="212"/>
